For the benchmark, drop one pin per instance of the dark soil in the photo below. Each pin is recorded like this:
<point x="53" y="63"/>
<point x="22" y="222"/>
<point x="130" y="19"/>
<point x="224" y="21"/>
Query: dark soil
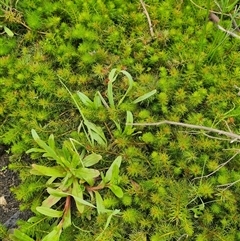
<point x="9" y="210"/>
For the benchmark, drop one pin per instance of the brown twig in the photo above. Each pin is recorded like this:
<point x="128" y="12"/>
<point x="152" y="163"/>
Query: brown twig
<point x="214" y="18"/>
<point x="148" y="18"/>
<point x="233" y="136"/>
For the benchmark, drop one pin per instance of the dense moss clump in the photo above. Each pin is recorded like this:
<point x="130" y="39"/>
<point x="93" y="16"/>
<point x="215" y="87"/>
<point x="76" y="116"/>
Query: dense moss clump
<point x="178" y="183"/>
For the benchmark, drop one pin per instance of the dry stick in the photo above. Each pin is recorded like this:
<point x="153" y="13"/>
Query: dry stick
<point x="228" y="185"/>
<point x="148" y="18"/>
<point x="213" y="17"/>
<point x="233" y="136"/>
<point x="218" y="168"/>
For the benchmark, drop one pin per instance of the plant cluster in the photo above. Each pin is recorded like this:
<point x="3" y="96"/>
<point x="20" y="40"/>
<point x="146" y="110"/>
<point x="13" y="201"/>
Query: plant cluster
<point x="107" y="180"/>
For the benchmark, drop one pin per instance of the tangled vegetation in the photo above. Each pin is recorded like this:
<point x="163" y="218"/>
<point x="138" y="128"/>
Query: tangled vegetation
<point x="73" y="73"/>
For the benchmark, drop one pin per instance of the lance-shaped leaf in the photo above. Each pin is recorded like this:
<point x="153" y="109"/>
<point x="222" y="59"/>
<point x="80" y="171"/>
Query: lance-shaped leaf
<point x="99" y="203"/>
<point x="130" y="83"/>
<point x="96" y="133"/>
<point x="112" y="77"/>
<point x="85" y="100"/>
<point x="54" y="235"/>
<point x="116" y="190"/>
<point x="50" y="201"/>
<point x="56" y="171"/>
<point x="57" y="192"/>
<point x="87" y="174"/>
<point x="91" y="159"/>
<point x="78" y="192"/>
<point x="128" y="130"/>
<point x="145" y="96"/>
<point x="109" y="173"/>
<point x="49" y="151"/>
<point x="81" y="201"/>
<point x="8" y="31"/>
<point x="19" y="236"/>
<point x="97" y="101"/>
<point x="114" y="212"/>
<point x="49" y="212"/>
<point x="51" y="141"/>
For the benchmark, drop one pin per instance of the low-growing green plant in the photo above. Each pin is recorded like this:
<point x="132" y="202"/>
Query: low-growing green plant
<point x="70" y="171"/>
<point x="70" y="176"/>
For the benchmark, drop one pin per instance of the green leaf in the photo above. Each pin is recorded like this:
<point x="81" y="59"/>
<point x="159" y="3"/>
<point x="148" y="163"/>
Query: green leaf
<point x="116" y="190"/>
<point x="57" y="193"/>
<point x="54" y="235"/>
<point x="99" y="203"/>
<point x="56" y="171"/>
<point x="19" y="236"/>
<point x="50" y="201"/>
<point x="97" y="101"/>
<point x="114" y="212"/>
<point x="128" y="130"/>
<point x="34" y="219"/>
<point x="85" y="100"/>
<point x="78" y="192"/>
<point x="130" y="83"/>
<point x="36" y="150"/>
<point x="81" y="201"/>
<point x="51" y="141"/>
<point x="8" y="31"/>
<point x="111" y="78"/>
<point x="96" y="133"/>
<point x="145" y="96"/>
<point x="76" y="160"/>
<point x="49" y="212"/>
<point x="87" y="174"/>
<point x="109" y="172"/>
<point x="49" y="151"/>
<point x="91" y="159"/>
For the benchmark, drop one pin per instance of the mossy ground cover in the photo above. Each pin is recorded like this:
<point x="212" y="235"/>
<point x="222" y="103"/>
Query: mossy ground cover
<point x="177" y="183"/>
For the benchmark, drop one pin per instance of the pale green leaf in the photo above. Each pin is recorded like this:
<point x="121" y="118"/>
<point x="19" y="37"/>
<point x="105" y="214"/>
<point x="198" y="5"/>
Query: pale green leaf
<point x="85" y="100"/>
<point x="34" y="219"/>
<point x="145" y="96"/>
<point x="91" y="159"/>
<point x="112" y="77"/>
<point x="54" y="235"/>
<point x="49" y="212"/>
<point x="49" y="151"/>
<point x="116" y="190"/>
<point x="78" y="192"/>
<point x="50" y="201"/>
<point x="114" y="212"/>
<point x="56" y="192"/>
<point x="8" y="31"/>
<point x="97" y="101"/>
<point x="130" y="83"/>
<point x="19" y="236"/>
<point x="51" y="141"/>
<point x="87" y="174"/>
<point x="109" y="172"/>
<point x="99" y="203"/>
<point x="81" y="201"/>
<point x="35" y="150"/>
<point x="56" y="171"/>
<point x="96" y="133"/>
<point x="128" y="130"/>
